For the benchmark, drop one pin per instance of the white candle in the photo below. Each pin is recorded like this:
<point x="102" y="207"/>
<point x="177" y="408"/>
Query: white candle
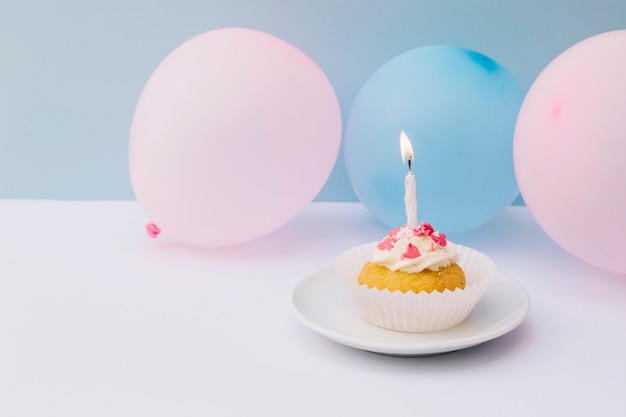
<point x="410" y="198"/>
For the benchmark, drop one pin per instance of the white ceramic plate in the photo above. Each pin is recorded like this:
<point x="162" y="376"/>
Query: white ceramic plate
<point x="321" y="303"/>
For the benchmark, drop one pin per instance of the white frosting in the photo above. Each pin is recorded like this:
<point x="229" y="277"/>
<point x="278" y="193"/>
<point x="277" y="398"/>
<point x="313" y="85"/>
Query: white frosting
<point x="432" y="255"/>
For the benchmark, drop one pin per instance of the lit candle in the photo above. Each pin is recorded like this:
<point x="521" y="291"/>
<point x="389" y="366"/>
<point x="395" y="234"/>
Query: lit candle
<point x="410" y="199"/>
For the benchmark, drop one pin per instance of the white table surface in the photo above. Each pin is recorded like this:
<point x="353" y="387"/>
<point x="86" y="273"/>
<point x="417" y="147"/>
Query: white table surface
<point x="96" y="319"/>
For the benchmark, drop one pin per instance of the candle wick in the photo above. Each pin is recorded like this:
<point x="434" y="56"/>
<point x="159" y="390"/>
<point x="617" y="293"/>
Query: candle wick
<point x="410" y="170"/>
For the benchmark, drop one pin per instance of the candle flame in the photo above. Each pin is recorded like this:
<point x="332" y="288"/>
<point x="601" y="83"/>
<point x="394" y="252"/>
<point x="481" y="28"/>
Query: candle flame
<point x="405" y="147"/>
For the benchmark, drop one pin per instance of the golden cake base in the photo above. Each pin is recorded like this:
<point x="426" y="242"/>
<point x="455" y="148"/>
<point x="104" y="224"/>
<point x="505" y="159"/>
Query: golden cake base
<point x="381" y="277"/>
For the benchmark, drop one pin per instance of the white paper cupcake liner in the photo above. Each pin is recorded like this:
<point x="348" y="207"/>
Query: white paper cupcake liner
<point x="411" y="312"/>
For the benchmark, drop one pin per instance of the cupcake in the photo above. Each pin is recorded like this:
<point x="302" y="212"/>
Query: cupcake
<point x="415" y="260"/>
<point x="415" y="280"/>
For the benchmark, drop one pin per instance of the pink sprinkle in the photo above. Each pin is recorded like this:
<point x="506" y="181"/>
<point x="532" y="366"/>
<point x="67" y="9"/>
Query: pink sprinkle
<point x="152" y="230"/>
<point x="432" y="246"/>
<point x="387" y="243"/>
<point x="424" y="229"/>
<point x="411" y="252"/>
<point x="439" y="238"/>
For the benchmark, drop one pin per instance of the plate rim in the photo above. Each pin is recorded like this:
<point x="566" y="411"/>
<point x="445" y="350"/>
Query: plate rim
<point x="418" y="348"/>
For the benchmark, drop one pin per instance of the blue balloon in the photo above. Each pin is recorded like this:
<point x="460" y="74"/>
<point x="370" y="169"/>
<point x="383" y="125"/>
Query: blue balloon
<point x="458" y="108"/>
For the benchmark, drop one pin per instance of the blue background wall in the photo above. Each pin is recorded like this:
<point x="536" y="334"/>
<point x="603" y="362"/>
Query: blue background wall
<point x="71" y="71"/>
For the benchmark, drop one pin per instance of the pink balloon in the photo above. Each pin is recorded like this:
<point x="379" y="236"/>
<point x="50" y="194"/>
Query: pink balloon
<point x="234" y="134"/>
<point x="570" y="150"/>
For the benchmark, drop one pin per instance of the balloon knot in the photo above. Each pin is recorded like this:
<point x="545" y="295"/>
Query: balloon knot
<point x="152" y="230"/>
